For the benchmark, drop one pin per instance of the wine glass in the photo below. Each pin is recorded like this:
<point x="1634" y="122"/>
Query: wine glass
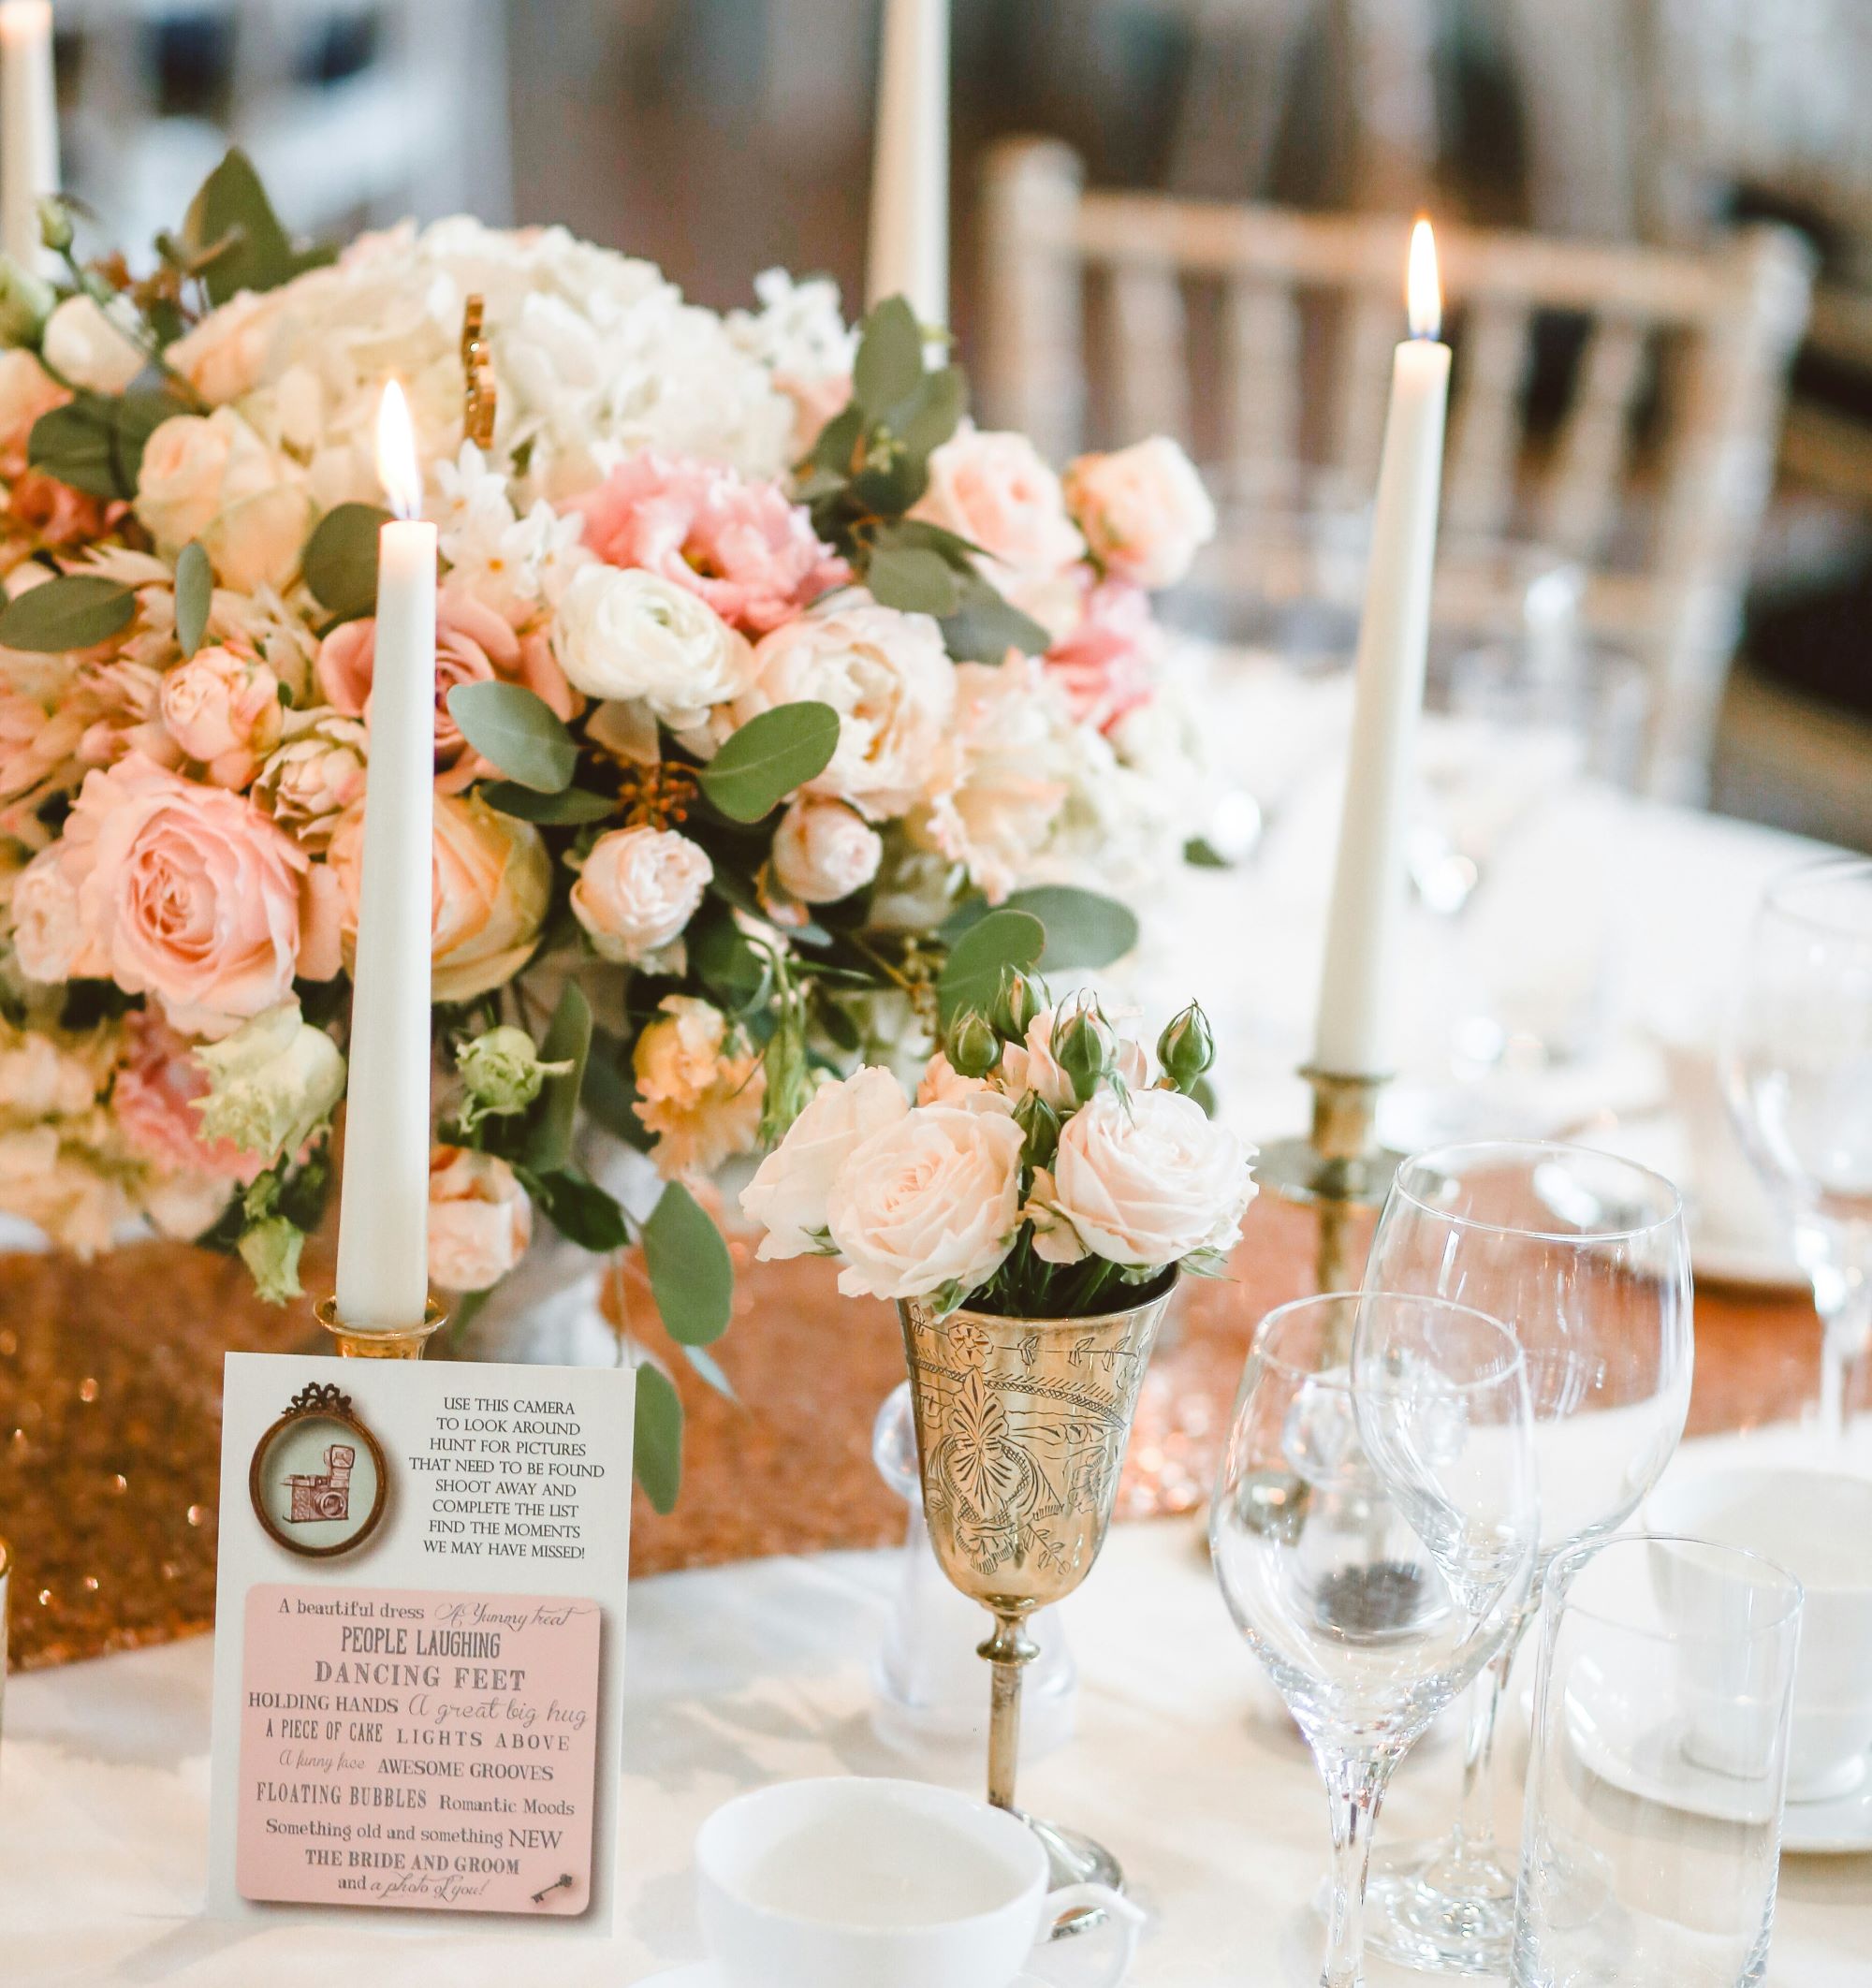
<point x="1373" y="1532"/>
<point x="1798" y="1066"/>
<point x="1583" y="1256"/>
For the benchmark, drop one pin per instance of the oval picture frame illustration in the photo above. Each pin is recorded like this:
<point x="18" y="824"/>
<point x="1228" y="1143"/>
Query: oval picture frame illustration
<point x="317" y="1482"/>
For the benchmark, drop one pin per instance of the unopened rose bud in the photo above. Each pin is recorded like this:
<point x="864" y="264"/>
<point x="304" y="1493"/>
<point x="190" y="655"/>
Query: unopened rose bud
<point x="1187" y="1048"/>
<point x="1037" y="1118"/>
<point x="1085" y="1048"/>
<point x="25" y="303"/>
<point x="54" y="223"/>
<point x="974" y="1048"/>
<point x="1017" y="1000"/>
<point x="503" y="1074"/>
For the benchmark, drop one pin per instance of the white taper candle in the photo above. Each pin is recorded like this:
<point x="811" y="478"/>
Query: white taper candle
<point x="909" y="249"/>
<point x="28" y="126"/>
<point x="1358" y="997"/>
<point x="382" y="1217"/>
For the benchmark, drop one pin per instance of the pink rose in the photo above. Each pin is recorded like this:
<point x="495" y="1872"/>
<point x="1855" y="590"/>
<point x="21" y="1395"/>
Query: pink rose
<point x="637" y="891"/>
<point x="751" y="555"/>
<point x="223" y="709"/>
<point x="183" y="892"/>
<point x="995" y="490"/>
<point x="824" y="851"/>
<point x="1143" y="509"/>
<point x="492" y="877"/>
<point x="1108" y="664"/>
<point x="152" y="1101"/>
<point x="473" y="645"/>
<point x="479" y="1219"/>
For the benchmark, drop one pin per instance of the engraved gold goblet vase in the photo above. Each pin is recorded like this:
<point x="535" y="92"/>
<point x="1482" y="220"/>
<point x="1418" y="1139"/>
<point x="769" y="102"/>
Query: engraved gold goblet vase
<point x="1022" y="1427"/>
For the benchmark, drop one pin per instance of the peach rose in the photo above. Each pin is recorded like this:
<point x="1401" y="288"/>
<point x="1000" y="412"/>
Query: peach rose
<point x="697" y="1091"/>
<point x="211" y="478"/>
<point x="473" y="645"/>
<point x="787" y="1194"/>
<point x="89" y="345"/>
<point x="182" y="892"/>
<point x="223" y="709"/>
<point x="223" y="356"/>
<point x="1143" y="509"/>
<point x="995" y="490"/>
<point x="824" y="851"/>
<point x="492" y="877"/>
<point x="638" y="890"/>
<point x="479" y="1219"/>
<point x="314" y="778"/>
<point x="27" y="391"/>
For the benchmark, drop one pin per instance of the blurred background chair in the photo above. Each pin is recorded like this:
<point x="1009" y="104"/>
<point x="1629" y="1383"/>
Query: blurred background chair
<point x="1619" y="405"/>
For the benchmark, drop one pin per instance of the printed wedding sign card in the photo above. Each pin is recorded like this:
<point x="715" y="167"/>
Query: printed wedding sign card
<point x="419" y="1637"/>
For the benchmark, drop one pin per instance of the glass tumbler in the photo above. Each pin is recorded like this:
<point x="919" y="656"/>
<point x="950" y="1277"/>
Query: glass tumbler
<point x="1652" y="1833"/>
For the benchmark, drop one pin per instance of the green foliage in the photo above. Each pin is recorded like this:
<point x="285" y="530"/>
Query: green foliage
<point x="94" y="442"/>
<point x="550" y="1123"/>
<point x="570" y="806"/>
<point x="232" y="238"/>
<point x="769" y="757"/>
<point x="340" y="562"/>
<point x="692" y="1276"/>
<point x="73" y="611"/>
<point x="1084" y="928"/>
<point x="578" y="1208"/>
<point x="657" y="1448"/>
<point x="973" y="972"/>
<point x="610" y="1092"/>
<point x="194" y="596"/>
<point x="518" y="731"/>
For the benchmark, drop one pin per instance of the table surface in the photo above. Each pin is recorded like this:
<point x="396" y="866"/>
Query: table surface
<point x="736" y="1677"/>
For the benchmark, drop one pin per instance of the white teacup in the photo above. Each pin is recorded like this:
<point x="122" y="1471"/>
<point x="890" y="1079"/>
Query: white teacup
<point x="1818" y="1525"/>
<point x="850" y="1883"/>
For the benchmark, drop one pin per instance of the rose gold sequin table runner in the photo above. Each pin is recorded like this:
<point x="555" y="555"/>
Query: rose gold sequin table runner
<point x="109" y="1419"/>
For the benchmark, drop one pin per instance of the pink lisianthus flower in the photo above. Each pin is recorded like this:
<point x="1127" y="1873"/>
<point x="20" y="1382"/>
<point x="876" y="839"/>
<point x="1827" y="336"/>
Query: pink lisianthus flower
<point x="182" y="892"/>
<point x="748" y="553"/>
<point x="152" y="1100"/>
<point x="1107" y="666"/>
<point x="473" y="645"/>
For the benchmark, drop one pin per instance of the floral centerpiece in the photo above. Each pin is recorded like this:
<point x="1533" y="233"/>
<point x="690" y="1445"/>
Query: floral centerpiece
<point x="779" y="709"/>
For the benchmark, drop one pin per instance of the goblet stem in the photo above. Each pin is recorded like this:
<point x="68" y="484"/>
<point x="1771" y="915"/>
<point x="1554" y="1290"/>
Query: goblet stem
<point x="1356" y="1788"/>
<point x="1475" y="1817"/>
<point x="1010" y="1649"/>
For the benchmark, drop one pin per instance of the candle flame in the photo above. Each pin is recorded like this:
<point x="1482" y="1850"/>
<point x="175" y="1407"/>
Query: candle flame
<point x="397" y="468"/>
<point x="1423" y="292"/>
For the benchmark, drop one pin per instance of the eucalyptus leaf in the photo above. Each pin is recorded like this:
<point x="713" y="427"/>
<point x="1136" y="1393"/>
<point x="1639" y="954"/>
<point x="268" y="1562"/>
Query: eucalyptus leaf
<point x="95" y="443"/>
<point x="554" y="1112"/>
<point x="657" y="1441"/>
<point x="933" y="411"/>
<point x="1084" y="928"/>
<point x="719" y="956"/>
<point x="984" y="627"/>
<point x="232" y="234"/>
<point x="73" y="611"/>
<point x="580" y="1210"/>
<point x="913" y="581"/>
<point x="518" y="731"/>
<point x="610" y="1092"/>
<point x="838" y="441"/>
<point x="706" y="1363"/>
<point x="763" y="762"/>
<point x="570" y="806"/>
<point x="891" y="358"/>
<point x="194" y="596"/>
<point x="340" y="562"/>
<point x="692" y="1276"/>
<point x="973" y="969"/>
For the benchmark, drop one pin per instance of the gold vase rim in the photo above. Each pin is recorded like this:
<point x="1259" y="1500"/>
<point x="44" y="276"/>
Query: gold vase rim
<point x="1056" y="1322"/>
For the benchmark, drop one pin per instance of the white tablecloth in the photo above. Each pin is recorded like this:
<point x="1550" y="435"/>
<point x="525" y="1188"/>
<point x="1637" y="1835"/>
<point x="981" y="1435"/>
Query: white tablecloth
<point x="736" y="1677"/>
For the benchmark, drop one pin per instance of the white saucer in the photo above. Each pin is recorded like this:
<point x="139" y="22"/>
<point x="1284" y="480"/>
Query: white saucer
<point x="1657" y="1770"/>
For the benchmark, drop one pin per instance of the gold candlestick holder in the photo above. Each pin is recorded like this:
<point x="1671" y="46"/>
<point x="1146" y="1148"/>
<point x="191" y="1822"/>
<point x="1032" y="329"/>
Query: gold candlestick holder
<point x="1338" y="1168"/>
<point x="393" y="1342"/>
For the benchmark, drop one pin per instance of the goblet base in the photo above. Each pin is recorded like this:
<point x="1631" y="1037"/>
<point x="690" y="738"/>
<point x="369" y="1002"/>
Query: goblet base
<point x="1072" y="1858"/>
<point x="1434" y="1906"/>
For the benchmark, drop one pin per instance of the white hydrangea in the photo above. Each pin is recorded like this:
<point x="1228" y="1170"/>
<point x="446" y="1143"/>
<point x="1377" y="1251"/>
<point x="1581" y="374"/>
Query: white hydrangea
<point x="799" y="332"/>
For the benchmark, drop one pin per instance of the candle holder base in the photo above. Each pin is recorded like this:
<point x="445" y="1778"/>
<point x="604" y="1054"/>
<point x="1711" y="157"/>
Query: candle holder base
<point x="1338" y="1167"/>
<point x="396" y="1342"/>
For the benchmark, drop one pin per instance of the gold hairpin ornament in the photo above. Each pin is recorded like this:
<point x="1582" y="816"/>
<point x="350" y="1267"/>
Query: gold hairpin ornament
<point x="479" y="398"/>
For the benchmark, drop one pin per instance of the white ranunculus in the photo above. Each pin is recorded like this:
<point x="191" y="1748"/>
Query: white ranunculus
<point x="929" y="1202"/>
<point x="272" y="1083"/>
<point x="1142" y="1182"/>
<point x="640" y="887"/>
<point x="888" y="678"/>
<point x="822" y="852"/>
<point x="623" y="634"/>
<point x="787" y="1195"/>
<point x="210" y="477"/>
<point x="89" y="346"/>
<point x="1143" y="509"/>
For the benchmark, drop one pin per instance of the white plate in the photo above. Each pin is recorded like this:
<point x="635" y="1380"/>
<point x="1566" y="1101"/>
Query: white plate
<point x="1659" y="1771"/>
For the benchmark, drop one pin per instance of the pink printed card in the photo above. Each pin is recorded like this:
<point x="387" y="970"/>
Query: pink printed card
<point x="418" y="1750"/>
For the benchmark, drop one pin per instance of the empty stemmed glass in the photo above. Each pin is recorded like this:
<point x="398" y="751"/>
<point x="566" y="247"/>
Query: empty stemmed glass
<point x="1583" y="1256"/>
<point x="1373" y="1532"/>
<point x="1798" y="1066"/>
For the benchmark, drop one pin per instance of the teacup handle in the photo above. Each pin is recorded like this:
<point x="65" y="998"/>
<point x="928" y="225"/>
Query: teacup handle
<point x="1071" y="1898"/>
